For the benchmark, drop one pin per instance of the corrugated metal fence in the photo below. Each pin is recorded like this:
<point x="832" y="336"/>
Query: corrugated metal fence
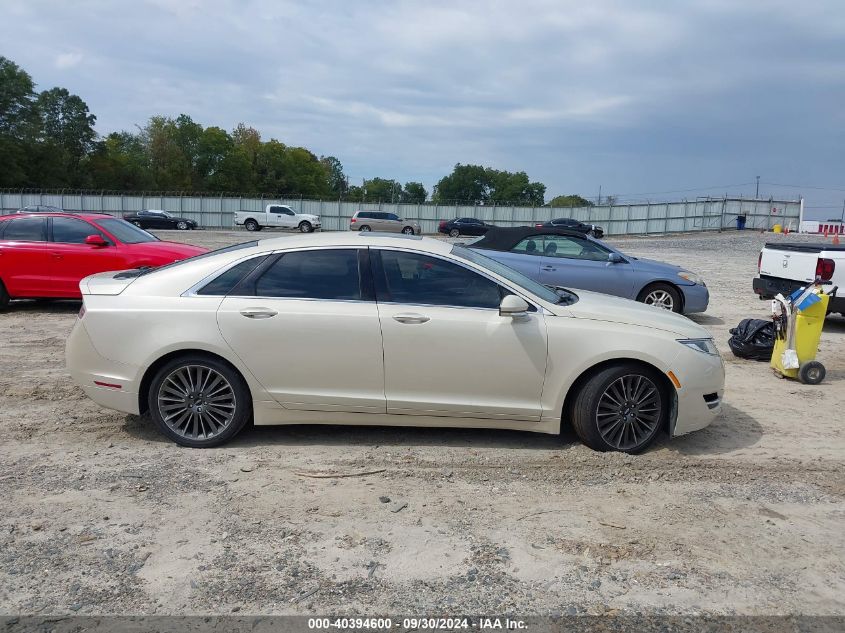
<point x="216" y="212"/>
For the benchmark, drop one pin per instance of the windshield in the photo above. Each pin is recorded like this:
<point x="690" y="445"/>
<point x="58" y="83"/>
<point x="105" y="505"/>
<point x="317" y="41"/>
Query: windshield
<point x="125" y="232"/>
<point x="537" y="289"/>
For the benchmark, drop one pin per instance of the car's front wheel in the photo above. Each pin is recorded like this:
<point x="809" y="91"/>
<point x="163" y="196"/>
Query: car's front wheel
<point x="620" y="408"/>
<point x="199" y="401"/>
<point x="136" y="223"/>
<point x="408" y="230"/>
<point x="305" y="227"/>
<point x="661" y="296"/>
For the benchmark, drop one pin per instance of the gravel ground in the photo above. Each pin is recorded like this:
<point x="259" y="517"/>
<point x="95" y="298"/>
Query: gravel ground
<point x="101" y="515"/>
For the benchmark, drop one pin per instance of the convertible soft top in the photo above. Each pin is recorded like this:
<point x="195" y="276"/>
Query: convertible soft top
<point x="505" y="238"/>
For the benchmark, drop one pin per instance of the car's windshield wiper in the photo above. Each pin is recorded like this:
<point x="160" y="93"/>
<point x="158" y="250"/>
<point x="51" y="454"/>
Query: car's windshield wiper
<point x="565" y="296"/>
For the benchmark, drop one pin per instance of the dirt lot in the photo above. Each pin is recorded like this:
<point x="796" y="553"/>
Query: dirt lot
<point x="101" y="515"/>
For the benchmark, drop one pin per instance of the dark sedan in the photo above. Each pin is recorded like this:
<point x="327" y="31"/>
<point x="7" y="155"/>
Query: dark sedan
<point x="155" y="219"/>
<point x="464" y="226"/>
<point x="574" y="225"/>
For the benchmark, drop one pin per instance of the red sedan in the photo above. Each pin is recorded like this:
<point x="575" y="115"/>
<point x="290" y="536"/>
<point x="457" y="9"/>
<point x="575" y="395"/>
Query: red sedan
<point x="46" y="255"/>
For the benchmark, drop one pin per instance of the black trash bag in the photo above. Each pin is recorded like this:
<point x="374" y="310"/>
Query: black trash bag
<point x="753" y="339"/>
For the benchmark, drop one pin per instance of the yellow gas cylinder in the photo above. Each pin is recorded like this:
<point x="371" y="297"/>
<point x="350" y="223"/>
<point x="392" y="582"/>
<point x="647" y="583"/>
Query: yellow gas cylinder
<point x="777" y="228"/>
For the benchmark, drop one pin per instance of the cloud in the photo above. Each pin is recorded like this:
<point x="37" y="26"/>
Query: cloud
<point x="633" y="96"/>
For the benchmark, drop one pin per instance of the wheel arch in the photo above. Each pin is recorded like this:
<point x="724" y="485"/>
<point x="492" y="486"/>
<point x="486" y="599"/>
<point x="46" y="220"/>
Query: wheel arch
<point x="584" y="376"/>
<point x="149" y="373"/>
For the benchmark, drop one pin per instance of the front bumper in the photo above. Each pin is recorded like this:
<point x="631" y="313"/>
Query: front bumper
<point x="696" y="298"/>
<point x="699" y="398"/>
<point x="109" y="384"/>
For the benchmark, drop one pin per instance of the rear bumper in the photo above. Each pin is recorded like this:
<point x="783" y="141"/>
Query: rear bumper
<point x="770" y="287"/>
<point x="696" y="298"/>
<point x="109" y="384"/>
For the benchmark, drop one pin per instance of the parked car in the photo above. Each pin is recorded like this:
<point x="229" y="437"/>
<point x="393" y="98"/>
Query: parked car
<point x="382" y="221"/>
<point x="372" y="330"/>
<point x="560" y="257"/>
<point x="574" y="225"/>
<point x="45" y="256"/>
<point x="157" y="219"/>
<point x="784" y="267"/>
<point x="463" y="226"/>
<point x="277" y="216"/>
<point x="40" y="208"/>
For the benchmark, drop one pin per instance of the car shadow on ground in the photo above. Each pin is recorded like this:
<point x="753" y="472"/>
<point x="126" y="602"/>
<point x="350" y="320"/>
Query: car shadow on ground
<point x="733" y="430"/>
<point x="51" y="306"/>
<point x="706" y="319"/>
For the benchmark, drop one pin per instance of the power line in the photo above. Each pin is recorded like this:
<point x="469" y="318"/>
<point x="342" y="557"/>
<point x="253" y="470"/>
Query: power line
<point x="774" y="184"/>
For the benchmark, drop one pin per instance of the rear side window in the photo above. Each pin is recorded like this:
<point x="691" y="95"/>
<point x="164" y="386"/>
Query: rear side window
<point x="317" y="274"/>
<point x="364" y="214"/>
<point x="71" y="231"/>
<point x="226" y="281"/>
<point x="26" y="230"/>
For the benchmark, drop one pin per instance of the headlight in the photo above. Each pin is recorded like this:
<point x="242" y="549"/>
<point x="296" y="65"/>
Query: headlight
<point x="691" y="277"/>
<point x="705" y="345"/>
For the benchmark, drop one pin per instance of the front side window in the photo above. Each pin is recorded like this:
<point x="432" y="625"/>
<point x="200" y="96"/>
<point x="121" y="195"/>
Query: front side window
<point x="25" y="230"/>
<point x="573" y="248"/>
<point x="419" y="279"/>
<point x="317" y="274"/>
<point x="71" y="231"/>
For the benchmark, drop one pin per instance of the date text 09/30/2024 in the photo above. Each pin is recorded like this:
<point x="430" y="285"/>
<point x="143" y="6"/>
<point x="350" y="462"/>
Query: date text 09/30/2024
<point x="429" y="624"/>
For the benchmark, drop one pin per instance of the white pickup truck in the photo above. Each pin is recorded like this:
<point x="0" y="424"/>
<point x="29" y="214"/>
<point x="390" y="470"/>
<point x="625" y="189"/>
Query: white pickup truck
<point x="787" y="266"/>
<point x="277" y="216"/>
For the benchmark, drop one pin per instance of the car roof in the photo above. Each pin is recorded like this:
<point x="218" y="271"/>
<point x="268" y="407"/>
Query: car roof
<point x="355" y="238"/>
<point x="501" y="238"/>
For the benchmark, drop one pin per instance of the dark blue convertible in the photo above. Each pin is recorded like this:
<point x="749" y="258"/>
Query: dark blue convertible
<point x="560" y="257"/>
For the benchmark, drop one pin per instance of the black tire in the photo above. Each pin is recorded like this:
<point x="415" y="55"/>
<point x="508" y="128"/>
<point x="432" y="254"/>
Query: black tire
<point x="408" y="230"/>
<point x="252" y="225"/>
<point x="241" y="407"/>
<point x="305" y="227"/>
<point x="4" y="297"/>
<point x="138" y="224"/>
<point x="639" y="425"/>
<point x="365" y="229"/>
<point x="454" y="233"/>
<point x="661" y="295"/>
<point x="182" y="226"/>
<point x="811" y="373"/>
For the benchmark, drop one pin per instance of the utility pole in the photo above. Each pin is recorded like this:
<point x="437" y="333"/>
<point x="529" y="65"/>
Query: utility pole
<point x="757" y="195"/>
<point x="599" y="202"/>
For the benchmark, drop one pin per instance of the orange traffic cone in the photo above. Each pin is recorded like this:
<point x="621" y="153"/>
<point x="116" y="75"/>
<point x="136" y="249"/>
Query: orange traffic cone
<point x="786" y="230"/>
<point x="836" y="239"/>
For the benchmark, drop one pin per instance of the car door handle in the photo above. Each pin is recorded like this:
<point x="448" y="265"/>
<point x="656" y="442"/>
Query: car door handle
<point x="549" y="268"/>
<point x="411" y="318"/>
<point x="56" y="255"/>
<point x="258" y="313"/>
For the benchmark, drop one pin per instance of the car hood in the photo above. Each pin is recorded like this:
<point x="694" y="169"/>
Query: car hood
<point x="165" y="252"/>
<point x="652" y="265"/>
<point x="308" y="216"/>
<point x="601" y="307"/>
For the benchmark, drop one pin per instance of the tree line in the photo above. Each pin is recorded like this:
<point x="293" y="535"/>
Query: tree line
<point x="48" y="141"/>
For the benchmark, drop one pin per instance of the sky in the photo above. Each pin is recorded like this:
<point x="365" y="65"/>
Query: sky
<point x="645" y="100"/>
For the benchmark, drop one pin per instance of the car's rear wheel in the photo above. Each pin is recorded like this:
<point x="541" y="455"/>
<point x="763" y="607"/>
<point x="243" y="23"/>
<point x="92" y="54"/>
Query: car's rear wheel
<point x="4" y="297"/>
<point x="408" y="230"/>
<point x="305" y="227"/>
<point x="182" y="226"/>
<point x="661" y="296"/>
<point x="620" y="408"/>
<point x="454" y="233"/>
<point x="136" y="223"/>
<point x="365" y="229"/>
<point x="199" y="401"/>
<point x="251" y="225"/>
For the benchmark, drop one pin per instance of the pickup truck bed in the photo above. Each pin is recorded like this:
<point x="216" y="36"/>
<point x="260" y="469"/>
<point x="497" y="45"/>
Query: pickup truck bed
<point x="785" y="267"/>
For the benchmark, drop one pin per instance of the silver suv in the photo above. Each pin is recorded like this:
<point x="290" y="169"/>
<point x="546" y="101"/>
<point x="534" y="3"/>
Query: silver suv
<point x="383" y="221"/>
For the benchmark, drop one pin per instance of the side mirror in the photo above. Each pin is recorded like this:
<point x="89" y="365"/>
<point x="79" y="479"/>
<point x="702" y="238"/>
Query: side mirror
<point x="513" y="306"/>
<point x="96" y="240"/>
<point x="615" y="258"/>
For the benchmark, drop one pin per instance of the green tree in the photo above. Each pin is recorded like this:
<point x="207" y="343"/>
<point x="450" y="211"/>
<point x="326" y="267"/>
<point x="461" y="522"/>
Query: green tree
<point x="334" y="175"/>
<point x="66" y="137"/>
<point x="119" y="162"/>
<point x="382" y="190"/>
<point x="414" y="192"/>
<point x="474" y="183"/>
<point x="170" y="168"/>
<point x="18" y="123"/>
<point x="571" y="200"/>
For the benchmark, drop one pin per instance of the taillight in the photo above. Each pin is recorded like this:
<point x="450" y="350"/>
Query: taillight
<point x="825" y="268"/>
<point x="537" y="226"/>
<point x="759" y="262"/>
<point x="443" y="224"/>
<point x="352" y="221"/>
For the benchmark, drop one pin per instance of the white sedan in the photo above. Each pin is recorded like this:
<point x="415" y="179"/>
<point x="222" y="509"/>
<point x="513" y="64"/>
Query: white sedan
<point x="377" y="329"/>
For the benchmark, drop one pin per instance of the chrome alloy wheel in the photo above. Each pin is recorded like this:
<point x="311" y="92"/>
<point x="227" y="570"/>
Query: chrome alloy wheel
<point x="629" y="411"/>
<point x="196" y="402"/>
<point x="660" y="299"/>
